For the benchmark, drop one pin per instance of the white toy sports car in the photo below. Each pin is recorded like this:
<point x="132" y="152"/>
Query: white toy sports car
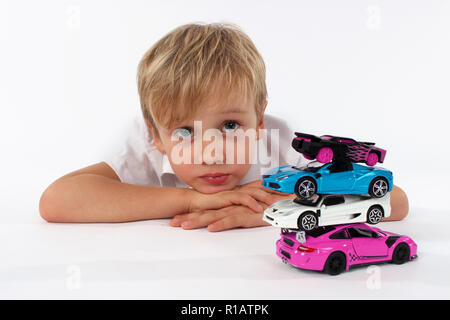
<point x="324" y="210"/>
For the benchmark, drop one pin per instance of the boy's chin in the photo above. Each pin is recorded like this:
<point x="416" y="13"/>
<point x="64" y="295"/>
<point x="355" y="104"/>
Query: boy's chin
<point x="205" y="188"/>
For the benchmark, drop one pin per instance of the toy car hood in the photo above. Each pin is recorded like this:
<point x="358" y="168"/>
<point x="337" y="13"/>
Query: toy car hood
<point x="285" y="206"/>
<point x="281" y="171"/>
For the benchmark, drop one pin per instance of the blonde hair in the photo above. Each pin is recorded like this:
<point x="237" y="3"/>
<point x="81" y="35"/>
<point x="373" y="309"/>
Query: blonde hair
<point x="195" y="62"/>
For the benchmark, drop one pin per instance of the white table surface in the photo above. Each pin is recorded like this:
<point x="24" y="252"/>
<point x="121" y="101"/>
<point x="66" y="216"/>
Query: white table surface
<point x="387" y="82"/>
<point x="151" y="260"/>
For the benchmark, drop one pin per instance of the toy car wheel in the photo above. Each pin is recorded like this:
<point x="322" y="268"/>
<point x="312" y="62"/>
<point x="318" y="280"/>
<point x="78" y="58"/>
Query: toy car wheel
<point x="307" y="221"/>
<point x="374" y="214"/>
<point x="325" y="155"/>
<point x="335" y="264"/>
<point x="305" y="188"/>
<point x="378" y="187"/>
<point x="372" y="159"/>
<point x="401" y="253"/>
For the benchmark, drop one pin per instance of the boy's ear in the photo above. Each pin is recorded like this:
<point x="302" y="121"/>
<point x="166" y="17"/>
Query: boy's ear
<point x="156" y="139"/>
<point x="261" y="124"/>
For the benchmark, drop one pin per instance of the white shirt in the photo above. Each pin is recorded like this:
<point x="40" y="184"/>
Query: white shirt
<point x="139" y="162"/>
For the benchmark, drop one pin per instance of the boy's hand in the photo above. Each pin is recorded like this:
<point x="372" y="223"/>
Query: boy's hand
<point x="257" y="185"/>
<point x="250" y="197"/>
<point x="230" y="217"/>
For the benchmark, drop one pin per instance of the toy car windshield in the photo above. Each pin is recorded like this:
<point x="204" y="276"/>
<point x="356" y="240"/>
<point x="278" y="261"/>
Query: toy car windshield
<point x="313" y="167"/>
<point x="315" y="199"/>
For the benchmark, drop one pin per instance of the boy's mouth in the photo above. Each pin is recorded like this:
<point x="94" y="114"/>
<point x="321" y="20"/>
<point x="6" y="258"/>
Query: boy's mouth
<point x="215" y="178"/>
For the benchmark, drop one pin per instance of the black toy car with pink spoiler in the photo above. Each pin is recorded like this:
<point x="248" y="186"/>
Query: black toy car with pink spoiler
<point x="327" y="148"/>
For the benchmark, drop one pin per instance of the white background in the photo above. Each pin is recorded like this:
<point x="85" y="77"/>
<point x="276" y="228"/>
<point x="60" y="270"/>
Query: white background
<point x="372" y="70"/>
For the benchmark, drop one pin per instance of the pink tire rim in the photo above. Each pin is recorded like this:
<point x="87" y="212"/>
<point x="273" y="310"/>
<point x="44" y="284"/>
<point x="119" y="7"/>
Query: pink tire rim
<point x="325" y="155"/>
<point x="372" y="159"/>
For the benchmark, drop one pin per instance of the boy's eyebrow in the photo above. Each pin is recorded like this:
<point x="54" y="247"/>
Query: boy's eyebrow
<point x="233" y="110"/>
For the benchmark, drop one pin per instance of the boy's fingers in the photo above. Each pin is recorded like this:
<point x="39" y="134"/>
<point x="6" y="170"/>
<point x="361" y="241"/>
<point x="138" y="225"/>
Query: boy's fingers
<point x="263" y="196"/>
<point x="247" y="200"/>
<point x="205" y="219"/>
<point x="236" y="221"/>
<point x="180" y="218"/>
<point x="176" y="221"/>
<point x="258" y="185"/>
<point x="275" y="191"/>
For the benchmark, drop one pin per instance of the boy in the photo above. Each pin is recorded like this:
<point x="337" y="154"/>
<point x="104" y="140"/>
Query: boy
<point x="209" y="75"/>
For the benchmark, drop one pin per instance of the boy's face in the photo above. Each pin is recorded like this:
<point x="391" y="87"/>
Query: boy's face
<point x="210" y="158"/>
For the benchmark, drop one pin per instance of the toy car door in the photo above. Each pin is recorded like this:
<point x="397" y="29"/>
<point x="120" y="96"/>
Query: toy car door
<point x="333" y="210"/>
<point x="367" y="243"/>
<point x="336" y="181"/>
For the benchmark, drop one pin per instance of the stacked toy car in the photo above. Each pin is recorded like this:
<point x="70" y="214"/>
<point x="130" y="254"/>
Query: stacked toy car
<point x="324" y="228"/>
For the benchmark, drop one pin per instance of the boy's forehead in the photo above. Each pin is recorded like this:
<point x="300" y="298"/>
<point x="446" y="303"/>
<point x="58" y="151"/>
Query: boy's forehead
<point x="228" y="104"/>
<point x="236" y="107"/>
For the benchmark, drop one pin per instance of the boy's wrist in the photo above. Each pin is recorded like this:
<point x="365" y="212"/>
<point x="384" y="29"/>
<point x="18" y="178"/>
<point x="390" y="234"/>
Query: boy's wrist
<point x="189" y="199"/>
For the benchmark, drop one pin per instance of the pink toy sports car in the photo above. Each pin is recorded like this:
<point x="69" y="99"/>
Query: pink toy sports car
<point x="327" y="148"/>
<point x="334" y="249"/>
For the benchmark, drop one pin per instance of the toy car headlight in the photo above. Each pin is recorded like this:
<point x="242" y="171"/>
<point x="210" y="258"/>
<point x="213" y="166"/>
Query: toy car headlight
<point x="284" y="177"/>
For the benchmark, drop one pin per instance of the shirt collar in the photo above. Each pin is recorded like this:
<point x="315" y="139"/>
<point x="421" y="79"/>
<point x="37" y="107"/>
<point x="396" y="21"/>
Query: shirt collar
<point x="166" y="167"/>
<point x="170" y="179"/>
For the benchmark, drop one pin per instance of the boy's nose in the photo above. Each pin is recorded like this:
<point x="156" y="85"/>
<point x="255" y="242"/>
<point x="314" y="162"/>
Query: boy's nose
<point x="209" y="151"/>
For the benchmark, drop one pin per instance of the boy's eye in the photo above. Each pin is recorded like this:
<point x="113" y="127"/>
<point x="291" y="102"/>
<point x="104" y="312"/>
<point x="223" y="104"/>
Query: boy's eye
<point x="183" y="132"/>
<point x="230" y="126"/>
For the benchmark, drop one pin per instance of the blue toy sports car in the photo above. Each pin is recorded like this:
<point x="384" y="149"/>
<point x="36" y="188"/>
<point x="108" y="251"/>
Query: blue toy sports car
<point x="330" y="178"/>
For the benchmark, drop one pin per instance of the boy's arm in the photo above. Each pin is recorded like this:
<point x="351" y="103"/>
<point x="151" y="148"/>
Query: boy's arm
<point x="95" y="194"/>
<point x="399" y="205"/>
